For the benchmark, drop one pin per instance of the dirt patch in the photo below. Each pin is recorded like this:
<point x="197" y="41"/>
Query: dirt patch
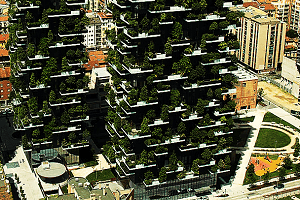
<point x="277" y="95"/>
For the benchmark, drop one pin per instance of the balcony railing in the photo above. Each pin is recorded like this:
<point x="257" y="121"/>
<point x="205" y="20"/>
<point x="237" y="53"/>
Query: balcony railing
<point x="202" y="85"/>
<point x="190" y="147"/>
<point x="37" y="87"/>
<point x="217" y="123"/>
<point x="159" y="56"/>
<point x="42" y="26"/>
<point x="63" y="74"/>
<point x="76" y="2"/>
<point x="217" y="113"/>
<point x="175" y="139"/>
<point x="140" y="35"/>
<point x="33" y="126"/>
<point x="174" y="77"/>
<point x="207" y="18"/>
<point x="28" y="68"/>
<point x="75" y="146"/>
<point x="74" y="101"/>
<point x="38" y="57"/>
<point x="61" y="44"/>
<point x="171" y="9"/>
<point x="74" y="92"/>
<point x="134" y="134"/>
<point x="158" y="122"/>
<point x="229" y="91"/>
<point x="196" y="52"/>
<point x="66" y="130"/>
<point x="30" y="6"/>
<point x="191" y="117"/>
<point x="73" y="13"/>
<point x="213" y="103"/>
<point x="218" y="61"/>
<point x="221" y="152"/>
<point x="180" y="108"/>
<point x="219" y="133"/>
<point x="139" y="103"/>
<point x="119" y="5"/>
<point x="211" y="163"/>
<point x="137" y="70"/>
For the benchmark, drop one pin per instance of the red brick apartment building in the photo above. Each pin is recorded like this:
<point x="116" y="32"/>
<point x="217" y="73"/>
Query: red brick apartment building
<point x="5" y="85"/>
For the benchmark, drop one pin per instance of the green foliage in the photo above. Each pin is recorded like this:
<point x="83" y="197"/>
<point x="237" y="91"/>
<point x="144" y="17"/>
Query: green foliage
<point x="177" y="31"/>
<point x="145" y="129"/>
<point x="266" y="177"/>
<point x="168" y="47"/>
<point x="175" y="98"/>
<point x="162" y="177"/>
<point x="36" y="133"/>
<point x="291" y="33"/>
<point x="52" y="96"/>
<point x="72" y="136"/>
<point x="164" y="113"/>
<point x="288" y="164"/>
<point x="30" y="50"/>
<point x="173" y="162"/>
<point x="213" y="26"/>
<point x="144" y="93"/>
<point x="65" y="118"/>
<point x="206" y="155"/>
<point x="195" y="167"/>
<point x="181" y="128"/>
<point x="282" y="172"/>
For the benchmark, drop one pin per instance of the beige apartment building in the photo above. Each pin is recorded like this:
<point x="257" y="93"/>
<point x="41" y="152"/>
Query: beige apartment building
<point x="261" y="40"/>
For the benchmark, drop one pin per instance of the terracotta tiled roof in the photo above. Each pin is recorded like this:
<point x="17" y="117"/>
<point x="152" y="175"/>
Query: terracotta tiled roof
<point x="4" y="37"/>
<point x="3" y="2"/>
<point x="5" y="72"/>
<point x="254" y="4"/>
<point x="93" y="64"/>
<point x="266" y="1"/>
<point x="96" y="60"/>
<point x="3" y="52"/>
<point x="4" y="18"/>
<point x="268" y="6"/>
<point x="105" y="15"/>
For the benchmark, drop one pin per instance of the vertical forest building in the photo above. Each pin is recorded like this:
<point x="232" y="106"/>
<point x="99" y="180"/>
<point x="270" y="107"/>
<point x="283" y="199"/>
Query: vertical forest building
<point x="49" y="84"/>
<point x="170" y="115"/>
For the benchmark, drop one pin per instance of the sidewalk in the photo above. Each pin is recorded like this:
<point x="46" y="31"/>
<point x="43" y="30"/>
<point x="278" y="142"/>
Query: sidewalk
<point x="28" y="180"/>
<point x="279" y="112"/>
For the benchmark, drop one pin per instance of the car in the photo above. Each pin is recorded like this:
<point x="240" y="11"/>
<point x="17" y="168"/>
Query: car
<point x="279" y="186"/>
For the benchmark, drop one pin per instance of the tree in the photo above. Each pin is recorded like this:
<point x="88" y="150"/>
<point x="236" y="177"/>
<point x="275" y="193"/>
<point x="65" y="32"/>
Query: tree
<point x="219" y="4"/>
<point x="52" y="96"/>
<point x="199" y="6"/>
<point x="145" y="126"/>
<point x="168" y="47"/>
<point x="297" y="168"/>
<point x="195" y="167"/>
<point x="30" y="50"/>
<point x="213" y="26"/>
<point x="266" y="177"/>
<point x="282" y="173"/>
<point x="148" y="177"/>
<point x="162" y="177"/>
<point x="206" y="155"/>
<point x="32" y="80"/>
<point x="35" y="133"/>
<point x="181" y="128"/>
<point x="173" y="161"/>
<point x="175" y="98"/>
<point x="252" y="179"/>
<point x="164" y="113"/>
<point x="177" y="31"/>
<point x="215" y="70"/>
<point x="65" y="118"/>
<point x="288" y="164"/>
<point x="291" y="33"/>
<point x="72" y="136"/>
<point x="144" y="93"/>
<point x="210" y="93"/>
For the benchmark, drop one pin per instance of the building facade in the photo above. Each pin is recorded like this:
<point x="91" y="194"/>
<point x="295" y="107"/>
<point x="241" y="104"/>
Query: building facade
<point x="169" y="121"/>
<point x="262" y="40"/>
<point x="46" y="56"/>
<point x="5" y="86"/>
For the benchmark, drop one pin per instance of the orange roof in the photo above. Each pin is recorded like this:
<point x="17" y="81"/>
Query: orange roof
<point x="254" y="4"/>
<point x="97" y="56"/>
<point x="4" y="37"/>
<point x="5" y="72"/>
<point x="268" y="6"/>
<point x="105" y="15"/>
<point x="3" y="52"/>
<point x="3" y="2"/>
<point x="93" y="64"/>
<point x="3" y="19"/>
<point x="266" y="1"/>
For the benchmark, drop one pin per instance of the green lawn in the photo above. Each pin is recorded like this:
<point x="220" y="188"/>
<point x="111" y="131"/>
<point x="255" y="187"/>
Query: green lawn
<point x="272" y="157"/>
<point x="101" y="176"/>
<point x="267" y="139"/>
<point x="269" y="117"/>
<point x="244" y="120"/>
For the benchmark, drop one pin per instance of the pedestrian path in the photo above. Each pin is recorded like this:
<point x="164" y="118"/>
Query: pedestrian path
<point x="246" y="154"/>
<point x="279" y="112"/>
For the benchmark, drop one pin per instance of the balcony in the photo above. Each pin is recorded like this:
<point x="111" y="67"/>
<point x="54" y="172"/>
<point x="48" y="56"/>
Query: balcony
<point x="131" y="166"/>
<point x="33" y="126"/>
<point x="217" y="113"/>
<point x="70" y="34"/>
<point x="218" y="61"/>
<point x="126" y="87"/>
<point x="66" y="130"/>
<point x="75" y="146"/>
<point x="141" y="1"/>
<point x="76" y="2"/>
<point x="123" y="52"/>
<point x="174" y="140"/>
<point x="116" y="69"/>
<point x="139" y="103"/>
<point x="196" y="52"/>
<point x="128" y="46"/>
<point x="210" y="17"/>
<point x="158" y="122"/>
<point x="229" y="91"/>
<point x="25" y="7"/>
<point x="64" y="74"/>
<point x="213" y="103"/>
<point x="160" y="56"/>
<point x="174" y="77"/>
<point x="28" y="68"/>
<point x="191" y="117"/>
<point x="134" y="134"/>
<point x="61" y="44"/>
<point x="73" y="13"/>
<point x="137" y="70"/>
<point x="21" y="34"/>
<point x="80" y="119"/>
<point x="42" y="26"/>
<point x="38" y="57"/>
<point x="203" y="85"/>
<point x="166" y="23"/>
<point x="190" y="147"/>
<point x="182" y="43"/>
<point x="140" y="35"/>
<point x="37" y="87"/>
<point x="217" y="123"/>
<point x="115" y="130"/>
<point x="73" y="101"/>
<point x="211" y="163"/>
<point x="74" y="92"/>
<point x="221" y="152"/>
<point x="171" y="9"/>
<point x="227" y="50"/>
<point x="180" y="108"/>
<point x="219" y="133"/>
<point x="220" y="39"/>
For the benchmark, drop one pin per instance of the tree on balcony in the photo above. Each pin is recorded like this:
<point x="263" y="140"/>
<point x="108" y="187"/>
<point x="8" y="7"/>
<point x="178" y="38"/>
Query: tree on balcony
<point x="210" y="93"/>
<point x="177" y="32"/>
<point x="148" y="177"/>
<point x="213" y="26"/>
<point x="168" y="47"/>
<point x="33" y="105"/>
<point x="157" y="133"/>
<point x="36" y="133"/>
<point x="145" y="129"/>
<point x="173" y="162"/>
<point x="219" y="4"/>
<point x="30" y="50"/>
<point x="32" y="80"/>
<point x="174" y="99"/>
<point x="157" y="5"/>
<point x="181" y="128"/>
<point x="223" y="24"/>
<point x="162" y="177"/>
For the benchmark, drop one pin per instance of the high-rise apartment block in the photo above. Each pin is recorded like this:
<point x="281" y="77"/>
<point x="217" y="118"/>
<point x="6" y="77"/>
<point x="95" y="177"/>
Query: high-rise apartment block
<point x="46" y="56"/>
<point x="170" y="112"/>
<point x="261" y="39"/>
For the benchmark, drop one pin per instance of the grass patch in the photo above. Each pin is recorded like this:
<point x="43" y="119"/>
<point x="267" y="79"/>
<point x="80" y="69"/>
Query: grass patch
<point x="244" y="120"/>
<point x="65" y="189"/>
<point x="290" y="197"/>
<point x="269" y="117"/>
<point x="267" y="138"/>
<point x="90" y="163"/>
<point x="101" y="176"/>
<point x="272" y="157"/>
